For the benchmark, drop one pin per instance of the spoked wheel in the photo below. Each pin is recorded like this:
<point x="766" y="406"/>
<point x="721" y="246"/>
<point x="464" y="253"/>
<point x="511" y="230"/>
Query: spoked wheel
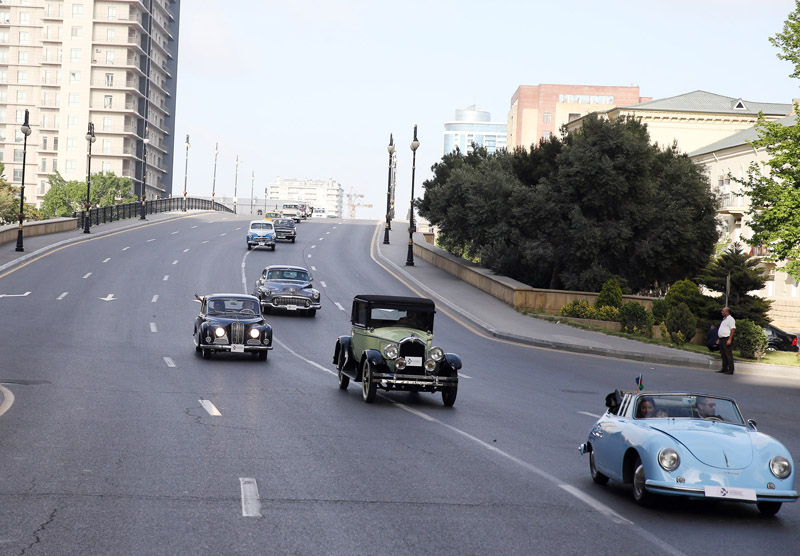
<point x="449" y="395"/>
<point x="344" y="380"/>
<point x="368" y="388"/>
<point x="768" y="508"/>
<point x="597" y="477"/>
<point x="640" y="494"/>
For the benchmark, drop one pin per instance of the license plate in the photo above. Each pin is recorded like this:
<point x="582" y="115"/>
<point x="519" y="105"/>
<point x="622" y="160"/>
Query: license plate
<point x="291" y="307"/>
<point x="237" y="348"/>
<point x="414" y="361"/>
<point x="731" y="492"/>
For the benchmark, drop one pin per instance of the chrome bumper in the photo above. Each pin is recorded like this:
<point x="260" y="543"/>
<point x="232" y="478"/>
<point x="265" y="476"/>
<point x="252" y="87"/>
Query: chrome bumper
<point x="694" y="491"/>
<point x="386" y="380"/>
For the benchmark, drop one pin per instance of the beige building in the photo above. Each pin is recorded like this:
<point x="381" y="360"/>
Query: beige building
<point x="326" y="196"/>
<point x="538" y="111"/>
<point x="108" y="62"/>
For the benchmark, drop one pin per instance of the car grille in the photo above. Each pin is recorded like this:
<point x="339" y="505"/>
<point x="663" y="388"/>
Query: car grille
<point x="290" y="300"/>
<point x="413" y="348"/>
<point x="237" y="333"/>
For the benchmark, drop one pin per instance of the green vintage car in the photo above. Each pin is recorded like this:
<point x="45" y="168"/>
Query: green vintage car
<point x="391" y="347"/>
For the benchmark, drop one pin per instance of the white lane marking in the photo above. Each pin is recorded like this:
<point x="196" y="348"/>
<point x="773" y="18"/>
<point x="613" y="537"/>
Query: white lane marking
<point x="153" y="327"/>
<point x="206" y="241"/>
<point x="237" y="229"/>
<point x="210" y="407"/>
<point x="314" y="268"/>
<point x="155" y="298"/>
<point x="251" y="505"/>
<point x="169" y="361"/>
<point x="166" y="277"/>
<point x="173" y="233"/>
<point x="462" y="375"/>
<point x="313" y="246"/>
<point x="26" y="294"/>
<point x="109" y="297"/>
<point x="87" y="274"/>
<point x="149" y="240"/>
<point x="125" y="248"/>
<point x="223" y="234"/>
<point x="596" y="504"/>
<point x="589" y="414"/>
<point x="8" y="399"/>
<point x="334" y="227"/>
<point x="62" y="296"/>
<point x="175" y="261"/>
<point x="309" y="256"/>
<point x="106" y="259"/>
<point x="320" y="239"/>
<point x="338" y="305"/>
<point x="324" y="285"/>
<point x="326" y="233"/>
<point x="193" y="227"/>
<point x="186" y="250"/>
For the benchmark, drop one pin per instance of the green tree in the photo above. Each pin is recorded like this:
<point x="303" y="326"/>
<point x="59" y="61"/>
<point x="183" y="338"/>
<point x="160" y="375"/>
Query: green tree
<point x="774" y="187"/>
<point x="746" y="276"/>
<point x="610" y="295"/>
<point x="9" y="202"/>
<point x="66" y="197"/>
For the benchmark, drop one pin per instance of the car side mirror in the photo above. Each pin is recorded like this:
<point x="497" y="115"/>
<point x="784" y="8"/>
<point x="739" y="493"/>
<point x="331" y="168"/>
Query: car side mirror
<point x="752" y="423"/>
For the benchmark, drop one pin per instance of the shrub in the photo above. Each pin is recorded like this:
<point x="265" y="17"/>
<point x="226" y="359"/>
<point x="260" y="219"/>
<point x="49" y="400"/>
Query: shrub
<point x="608" y="313"/>
<point x="681" y="324"/>
<point x="578" y="308"/>
<point x="686" y="291"/>
<point x="660" y="309"/>
<point x="750" y="339"/>
<point x="633" y="318"/>
<point x="610" y="295"/>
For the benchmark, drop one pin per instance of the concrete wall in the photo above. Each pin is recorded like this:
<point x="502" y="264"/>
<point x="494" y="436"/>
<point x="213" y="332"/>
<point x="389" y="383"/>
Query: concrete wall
<point x="37" y="228"/>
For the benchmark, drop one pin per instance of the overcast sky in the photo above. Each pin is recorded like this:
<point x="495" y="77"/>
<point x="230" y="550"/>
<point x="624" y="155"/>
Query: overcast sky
<point x="312" y="89"/>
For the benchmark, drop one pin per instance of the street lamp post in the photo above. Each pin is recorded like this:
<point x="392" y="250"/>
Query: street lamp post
<point x="414" y="147"/>
<point x="390" y="148"/>
<point x="252" y="184"/>
<point x="26" y="130"/>
<point x="144" y="174"/>
<point x="236" y="184"/>
<point x="214" y="179"/>
<point x="186" y="172"/>
<point x="87" y="219"/>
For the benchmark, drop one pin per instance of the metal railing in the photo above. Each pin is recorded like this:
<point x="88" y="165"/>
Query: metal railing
<point x="101" y="215"/>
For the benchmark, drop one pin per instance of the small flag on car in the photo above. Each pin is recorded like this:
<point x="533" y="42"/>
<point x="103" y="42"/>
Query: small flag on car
<point x="640" y="382"/>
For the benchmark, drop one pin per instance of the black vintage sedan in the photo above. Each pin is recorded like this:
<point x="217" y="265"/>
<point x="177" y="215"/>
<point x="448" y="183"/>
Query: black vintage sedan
<point x="285" y="229"/>
<point x="231" y="322"/>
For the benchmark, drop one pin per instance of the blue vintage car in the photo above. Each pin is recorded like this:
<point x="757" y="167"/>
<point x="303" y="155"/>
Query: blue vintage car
<point x="261" y="232"/>
<point x="686" y="444"/>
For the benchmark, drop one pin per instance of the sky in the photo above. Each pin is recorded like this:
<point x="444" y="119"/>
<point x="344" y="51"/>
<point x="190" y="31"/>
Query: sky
<point x="311" y="89"/>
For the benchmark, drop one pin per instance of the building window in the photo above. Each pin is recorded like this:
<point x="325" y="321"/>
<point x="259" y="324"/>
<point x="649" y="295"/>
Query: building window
<point x="546" y="135"/>
<point x="22" y="57"/>
<point x="77" y="10"/>
<point x="22" y="76"/>
<point x="111" y="35"/>
<point x="22" y="97"/>
<point x="77" y="32"/>
<point x="43" y="165"/>
<point x="74" y="54"/>
<point x="42" y="187"/>
<point x="74" y="77"/>
<point x="18" y="154"/>
<point x="4" y="56"/>
<point x="55" y="144"/>
<point x="106" y="124"/>
<point x="112" y="13"/>
<point x="547" y="118"/>
<point x="573" y="116"/>
<point x="71" y="165"/>
<point x="106" y="146"/>
<point x="72" y="121"/>
<point x="107" y="101"/>
<point x="106" y="166"/>
<point x="109" y="80"/>
<point x="74" y="99"/>
<point x="44" y="143"/>
<point x="24" y="37"/>
<point x="18" y="174"/>
<point x="109" y="56"/>
<point x="5" y="17"/>
<point x="3" y="76"/>
<point x="72" y="146"/>
<point x="55" y="165"/>
<point x="3" y="37"/>
<point x="24" y="18"/>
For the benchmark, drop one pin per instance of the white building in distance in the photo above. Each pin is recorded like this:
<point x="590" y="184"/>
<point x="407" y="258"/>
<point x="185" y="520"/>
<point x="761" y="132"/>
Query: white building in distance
<point x="327" y="195"/>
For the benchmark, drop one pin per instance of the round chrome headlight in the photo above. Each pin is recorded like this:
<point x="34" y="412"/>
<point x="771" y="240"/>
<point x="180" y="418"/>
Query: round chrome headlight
<point x="669" y="459"/>
<point x="315" y="295"/>
<point x="430" y="365"/>
<point x="780" y="467"/>
<point x="219" y="332"/>
<point x="437" y="353"/>
<point x="400" y="363"/>
<point x="391" y="351"/>
<point x="255" y="333"/>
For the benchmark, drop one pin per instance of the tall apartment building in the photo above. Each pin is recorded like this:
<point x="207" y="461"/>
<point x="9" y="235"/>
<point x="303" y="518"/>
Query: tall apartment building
<point x="538" y="111"/>
<point x="320" y="194"/>
<point x="109" y="62"/>
<point x="473" y="125"/>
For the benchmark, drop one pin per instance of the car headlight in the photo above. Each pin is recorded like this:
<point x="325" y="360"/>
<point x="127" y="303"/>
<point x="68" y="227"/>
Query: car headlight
<point x="437" y="354"/>
<point x="669" y="459"/>
<point x="780" y="467"/>
<point x="400" y="363"/>
<point x="430" y="365"/>
<point x="391" y="351"/>
<point x="315" y="295"/>
<point x="255" y="333"/>
<point x="219" y="332"/>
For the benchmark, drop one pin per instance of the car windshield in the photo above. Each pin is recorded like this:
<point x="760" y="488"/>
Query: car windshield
<point x="687" y="406"/>
<point x="285" y="223"/>
<point x="288" y="274"/>
<point x="219" y="306"/>
<point x="380" y="317"/>
<point x="261" y="226"/>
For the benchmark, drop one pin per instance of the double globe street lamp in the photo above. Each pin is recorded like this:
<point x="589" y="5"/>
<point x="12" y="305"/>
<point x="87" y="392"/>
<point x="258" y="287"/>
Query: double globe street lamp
<point x="390" y="148"/>
<point x="87" y="219"/>
<point x="414" y="147"/>
<point x="26" y="130"/>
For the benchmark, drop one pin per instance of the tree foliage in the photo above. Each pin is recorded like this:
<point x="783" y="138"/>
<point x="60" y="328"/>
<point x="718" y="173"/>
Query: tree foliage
<point x="602" y="203"/>
<point x="774" y="187"/>
<point x="66" y="197"/>
<point x="9" y="202"/>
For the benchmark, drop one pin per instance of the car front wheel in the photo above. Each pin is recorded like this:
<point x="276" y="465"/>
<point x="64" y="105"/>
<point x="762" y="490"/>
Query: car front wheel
<point x="768" y="508"/>
<point x="368" y="388"/>
<point x="597" y="477"/>
<point x="206" y="354"/>
<point x="449" y="395"/>
<point x="640" y="494"/>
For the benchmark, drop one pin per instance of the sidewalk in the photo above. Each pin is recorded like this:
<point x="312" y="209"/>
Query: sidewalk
<point x="496" y="318"/>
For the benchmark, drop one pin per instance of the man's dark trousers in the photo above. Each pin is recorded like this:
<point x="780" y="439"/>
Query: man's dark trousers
<point x="726" y="350"/>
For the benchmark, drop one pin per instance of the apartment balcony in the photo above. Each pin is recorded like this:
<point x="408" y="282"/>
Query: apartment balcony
<point x="731" y="203"/>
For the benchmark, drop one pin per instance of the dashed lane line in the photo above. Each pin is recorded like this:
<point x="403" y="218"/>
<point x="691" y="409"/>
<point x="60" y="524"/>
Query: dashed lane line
<point x="251" y="505"/>
<point x="62" y="296"/>
<point x="170" y="363"/>
<point x="210" y="408"/>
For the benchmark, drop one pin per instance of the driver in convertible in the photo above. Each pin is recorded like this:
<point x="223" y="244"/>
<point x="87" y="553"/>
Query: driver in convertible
<point x="706" y="407"/>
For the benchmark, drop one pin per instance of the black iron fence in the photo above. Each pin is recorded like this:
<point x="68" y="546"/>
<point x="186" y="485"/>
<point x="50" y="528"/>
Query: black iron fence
<point x="101" y="215"/>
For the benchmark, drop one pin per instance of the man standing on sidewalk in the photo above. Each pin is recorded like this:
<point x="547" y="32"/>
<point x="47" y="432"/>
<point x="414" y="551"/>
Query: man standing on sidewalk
<point x="725" y="333"/>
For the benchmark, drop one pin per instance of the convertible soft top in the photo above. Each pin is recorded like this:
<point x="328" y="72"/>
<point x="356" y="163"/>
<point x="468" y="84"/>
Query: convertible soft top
<point x="398" y="301"/>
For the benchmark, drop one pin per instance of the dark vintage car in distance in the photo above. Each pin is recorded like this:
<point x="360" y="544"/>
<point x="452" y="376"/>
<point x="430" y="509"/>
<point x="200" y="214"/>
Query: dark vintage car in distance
<point x="778" y="340"/>
<point x="233" y="323"/>
<point x="287" y="287"/>
<point x="390" y="346"/>
<point x="285" y="228"/>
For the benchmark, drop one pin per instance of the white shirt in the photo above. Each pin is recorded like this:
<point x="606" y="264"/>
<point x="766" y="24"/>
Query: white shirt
<point x="726" y="326"/>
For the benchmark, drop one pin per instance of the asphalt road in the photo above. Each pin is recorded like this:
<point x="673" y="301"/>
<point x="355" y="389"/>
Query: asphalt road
<point x="112" y="444"/>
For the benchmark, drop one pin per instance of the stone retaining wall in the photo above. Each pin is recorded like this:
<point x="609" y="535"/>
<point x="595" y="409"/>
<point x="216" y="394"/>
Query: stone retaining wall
<point x="10" y="232"/>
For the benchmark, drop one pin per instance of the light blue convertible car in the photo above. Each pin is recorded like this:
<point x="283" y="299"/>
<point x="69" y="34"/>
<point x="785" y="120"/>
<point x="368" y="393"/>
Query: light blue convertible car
<point x="685" y="444"/>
